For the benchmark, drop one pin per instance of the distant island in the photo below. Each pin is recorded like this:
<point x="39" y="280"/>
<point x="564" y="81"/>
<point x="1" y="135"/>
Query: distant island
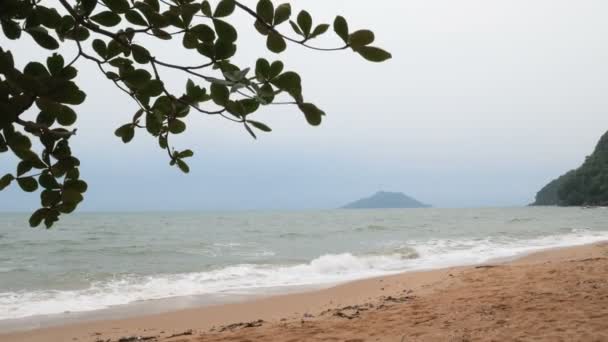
<point x="386" y="200"/>
<point x="585" y="186"/>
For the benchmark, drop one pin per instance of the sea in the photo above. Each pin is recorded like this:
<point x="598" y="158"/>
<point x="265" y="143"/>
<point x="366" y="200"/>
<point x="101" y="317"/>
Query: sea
<point x="94" y="262"/>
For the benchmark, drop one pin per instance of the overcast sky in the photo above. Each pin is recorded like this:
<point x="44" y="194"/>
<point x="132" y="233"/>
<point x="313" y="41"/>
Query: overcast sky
<point x="484" y="102"/>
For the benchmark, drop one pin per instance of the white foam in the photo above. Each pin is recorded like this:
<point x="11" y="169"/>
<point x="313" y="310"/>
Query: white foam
<point x="246" y="278"/>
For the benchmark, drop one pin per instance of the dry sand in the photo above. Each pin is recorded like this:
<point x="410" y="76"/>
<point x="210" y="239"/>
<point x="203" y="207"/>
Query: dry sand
<point x="556" y="295"/>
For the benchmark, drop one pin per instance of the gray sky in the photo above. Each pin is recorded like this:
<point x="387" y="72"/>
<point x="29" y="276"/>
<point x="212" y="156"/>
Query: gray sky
<point x="484" y="102"/>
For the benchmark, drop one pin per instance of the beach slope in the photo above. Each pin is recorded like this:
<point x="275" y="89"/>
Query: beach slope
<point x="555" y="295"/>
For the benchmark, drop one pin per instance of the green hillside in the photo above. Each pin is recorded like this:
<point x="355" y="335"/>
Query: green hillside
<point x="585" y="186"/>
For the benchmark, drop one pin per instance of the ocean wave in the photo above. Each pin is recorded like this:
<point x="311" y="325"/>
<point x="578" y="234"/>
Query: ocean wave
<point x="252" y="278"/>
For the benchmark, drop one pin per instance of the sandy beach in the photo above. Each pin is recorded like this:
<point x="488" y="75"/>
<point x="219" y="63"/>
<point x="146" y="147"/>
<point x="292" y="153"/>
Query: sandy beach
<point x="554" y="295"/>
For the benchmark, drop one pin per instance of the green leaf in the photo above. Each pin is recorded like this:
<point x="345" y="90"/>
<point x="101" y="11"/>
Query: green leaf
<point x="223" y="49"/>
<point x="312" y="113"/>
<point x="203" y="32"/>
<point x="189" y="40"/>
<point x="183" y="166"/>
<point x="140" y="54"/>
<point x="11" y="29"/>
<point x="160" y="34"/>
<point x="265" y="10"/>
<point x="360" y="38"/>
<point x="262" y="69"/>
<point x="374" y="54"/>
<point x="76" y="184"/>
<point x="6" y="181"/>
<point x="23" y="167"/>
<point x="42" y="38"/>
<point x="305" y="22"/>
<point x="135" y="18"/>
<point x="50" y="198"/>
<point x="152" y="88"/>
<point x="125" y="132"/>
<point x="51" y="218"/>
<point x="55" y="64"/>
<point x="219" y="94"/>
<point x="275" y="43"/>
<point x="224" y="8"/>
<point x="106" y="18"/>
<point x="88" y="6"/>
<point x="275" y="69"/>
<point x="296" y="29"/>
<point x="185" y="154"/>
<point x="282" y="14"/>
<point x="38" y="216"/>
<point x="319" y="30"/>
<point x="47" y="181"/>
<point x="137" y="78"/>
<point x="260" y="126"/>
<point x="66" y="116"/>
<point x="119" y="6"/>
<point x="291" y="83"/>
<point x="176" y="126"/>
<point x="225" y="31"/>
<point x="206" y="8"/>
<point x="28" y="184"/>
<point x="100" y="48"/>
<point x="71" y="196"/>
<point x="341" y="28"/>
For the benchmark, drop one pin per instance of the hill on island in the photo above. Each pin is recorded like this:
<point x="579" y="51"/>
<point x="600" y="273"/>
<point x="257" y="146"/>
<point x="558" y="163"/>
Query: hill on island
<point x="386" y="200"/>
<point x="585" y="186"/>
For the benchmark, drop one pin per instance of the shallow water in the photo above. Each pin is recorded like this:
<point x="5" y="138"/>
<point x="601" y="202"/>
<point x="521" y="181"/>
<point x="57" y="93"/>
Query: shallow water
<point x="95" y="261"/>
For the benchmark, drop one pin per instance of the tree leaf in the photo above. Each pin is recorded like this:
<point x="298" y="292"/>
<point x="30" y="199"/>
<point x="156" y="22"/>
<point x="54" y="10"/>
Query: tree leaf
<point x="374" y="54"/>
<point x="47" y="181"/>
<point x="265" y="10"/>
<point x="183" y="166"/>
<point x="260" y="126"/>
<point x="119" y="6"/>
<point x="275" y="69"/>
<point x="224" y="8"/>
<point x="106" y="18"/>
<point x="135" y="18"/>
<point x="72" y="196"/>
<point x="140" y="54"/>
<point x="176" y="126"/>
<point x="291" y="83"/>
<point x="28" y="184"/>
<point x="225" y="31"/>
<point x="185" y="154"/>
<point x="6" y="181"/>
<point x="11" y="29"/>
<point x="341" y="28"/>
<point x="219" y="94"/>
<point x="100" y="48"/>
<point x="360" y="38"/>
<point x="275" y="43"/>
<point x="319" y="30"/>
<point x="262" y="69"/>
<point x="282" y="14"/>
<point x="312" y="113"/>
<point x="305" y="22"/>
<point x="37" y="217"/>
<point x="125" y="132"/>
<point x="43" y="39"/>
<point x="23" y="167"/>
<point x="66" y="116"/>
<point x="55" y="64"/>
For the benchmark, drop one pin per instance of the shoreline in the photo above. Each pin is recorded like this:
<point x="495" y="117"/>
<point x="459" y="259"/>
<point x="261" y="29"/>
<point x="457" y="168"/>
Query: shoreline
<point x="193" y="302"/>
<point x="295" y="308"/>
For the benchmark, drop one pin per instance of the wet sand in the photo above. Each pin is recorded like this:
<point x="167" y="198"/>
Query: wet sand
<point x="554" y="295"/>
